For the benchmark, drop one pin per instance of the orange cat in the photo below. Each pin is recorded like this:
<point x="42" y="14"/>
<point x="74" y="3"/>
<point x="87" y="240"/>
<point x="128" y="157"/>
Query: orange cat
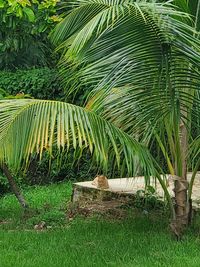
<point x="101" y="182"/>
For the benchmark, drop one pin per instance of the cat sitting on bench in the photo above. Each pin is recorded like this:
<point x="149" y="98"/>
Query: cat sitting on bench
<point x="101" y="182"/>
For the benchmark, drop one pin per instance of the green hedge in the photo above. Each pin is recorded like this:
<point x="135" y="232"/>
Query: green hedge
<point x="40" y="83"/>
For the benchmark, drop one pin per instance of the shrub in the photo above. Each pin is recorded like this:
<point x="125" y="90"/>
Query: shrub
<point x="25" y="26"/>
<point x="42" y="172"/>
<point x="40" y="83"/>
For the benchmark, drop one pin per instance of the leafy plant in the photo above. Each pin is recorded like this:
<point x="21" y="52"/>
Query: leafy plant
<point x="141" y="60"/>
<point x="40" y="83"/>
<point x="147" y="200"/>
<point x="24" y="28"/>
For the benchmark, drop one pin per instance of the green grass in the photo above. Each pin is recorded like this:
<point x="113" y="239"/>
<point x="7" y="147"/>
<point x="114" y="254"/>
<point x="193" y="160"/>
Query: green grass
<point x="47" y="203"/>
<point x="136" y="241"/>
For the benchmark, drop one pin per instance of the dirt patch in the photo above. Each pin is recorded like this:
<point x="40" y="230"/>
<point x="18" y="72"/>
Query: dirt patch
<point x="111" y="208"/>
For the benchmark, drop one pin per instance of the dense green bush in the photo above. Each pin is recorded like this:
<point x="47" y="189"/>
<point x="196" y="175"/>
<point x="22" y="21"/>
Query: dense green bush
<point x="40" y="83"/>
<point x="4" y="186"/>
<point x="24" y="29"/>
<point x="49" y="171"/>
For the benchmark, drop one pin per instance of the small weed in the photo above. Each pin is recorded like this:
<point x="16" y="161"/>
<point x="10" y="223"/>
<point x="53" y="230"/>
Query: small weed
<point x="148" y="200"/>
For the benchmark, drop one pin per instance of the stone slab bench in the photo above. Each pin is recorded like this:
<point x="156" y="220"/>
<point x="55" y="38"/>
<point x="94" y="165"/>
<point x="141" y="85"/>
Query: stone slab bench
<point x="125" y="189"/>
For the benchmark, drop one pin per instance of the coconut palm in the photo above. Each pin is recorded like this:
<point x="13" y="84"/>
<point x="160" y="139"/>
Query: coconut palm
<point x="142" y="58"/>
<point x="140" y="62"/>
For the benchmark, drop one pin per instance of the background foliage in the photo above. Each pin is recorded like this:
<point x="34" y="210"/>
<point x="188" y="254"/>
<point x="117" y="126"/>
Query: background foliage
<point x="42" y="83"/>
<point x="24" y="29"/>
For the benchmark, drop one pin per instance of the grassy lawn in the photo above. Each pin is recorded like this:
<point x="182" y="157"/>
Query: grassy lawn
<point x="137" y="240"/>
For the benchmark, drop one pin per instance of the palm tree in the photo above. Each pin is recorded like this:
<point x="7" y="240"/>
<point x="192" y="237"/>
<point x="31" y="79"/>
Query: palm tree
<point x="140" y="62"/>
<point x="142" y="59"/>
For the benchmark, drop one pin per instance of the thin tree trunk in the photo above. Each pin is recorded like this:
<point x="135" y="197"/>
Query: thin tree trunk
<point x="14" y="186"/>
<point x="182" y="208"/>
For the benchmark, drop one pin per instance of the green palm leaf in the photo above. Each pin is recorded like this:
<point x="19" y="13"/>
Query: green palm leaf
<point x="141" y="63"/>
<point x="32" y="126"/>
<point x="119" y="35"/>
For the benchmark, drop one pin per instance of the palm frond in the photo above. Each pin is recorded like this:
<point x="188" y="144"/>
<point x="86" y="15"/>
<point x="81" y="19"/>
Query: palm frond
<point x="142" y="65"/>
<point x="123" y="35"/>
<point x="32" y="126"/>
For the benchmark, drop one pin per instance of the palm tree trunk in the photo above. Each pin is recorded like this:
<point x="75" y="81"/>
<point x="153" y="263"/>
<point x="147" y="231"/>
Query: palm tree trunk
<point x="14" y="186"/>
<point x="182" y="208"/>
